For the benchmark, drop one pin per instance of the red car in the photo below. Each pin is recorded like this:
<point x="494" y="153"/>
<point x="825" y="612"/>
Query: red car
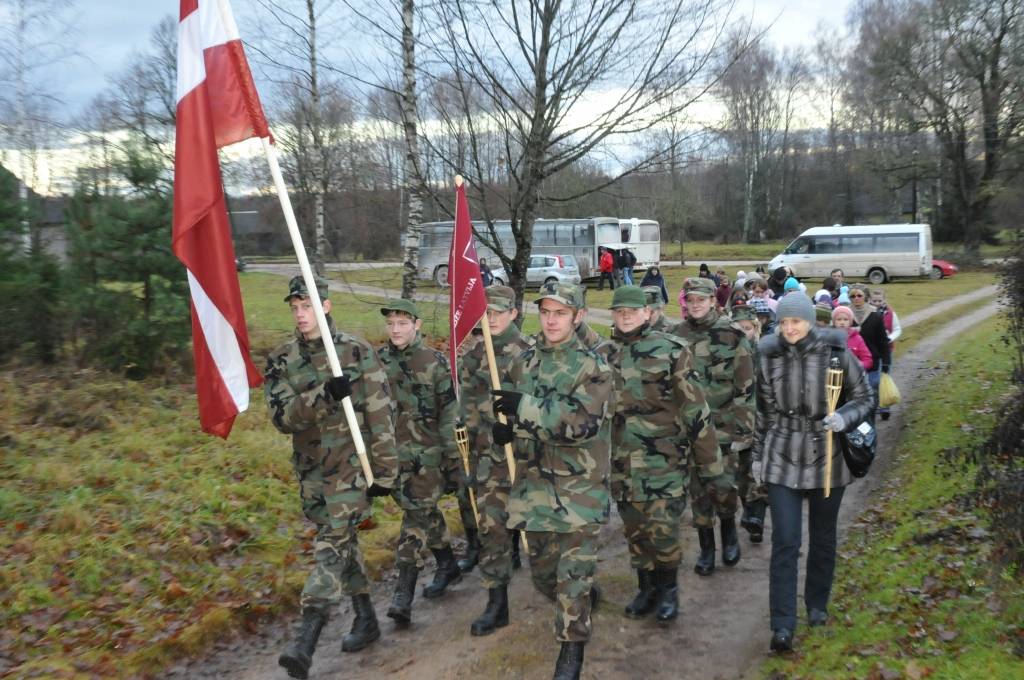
<point x="941" y="269"/>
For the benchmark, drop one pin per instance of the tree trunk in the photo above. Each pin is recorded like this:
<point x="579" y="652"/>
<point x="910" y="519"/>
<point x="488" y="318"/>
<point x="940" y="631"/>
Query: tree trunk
<point x="412" y="173"/>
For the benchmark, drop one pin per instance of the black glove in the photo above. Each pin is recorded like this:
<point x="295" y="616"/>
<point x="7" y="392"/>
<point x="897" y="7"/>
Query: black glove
<point x="376" y="491"/>
<point x="339" y="388"/>
<point x="507" y="402"/>
<point x="502" y="433"/>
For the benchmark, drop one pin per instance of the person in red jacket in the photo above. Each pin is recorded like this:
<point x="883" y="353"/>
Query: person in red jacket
<point x="842" y="317"/>
<point x="606" y="264"/>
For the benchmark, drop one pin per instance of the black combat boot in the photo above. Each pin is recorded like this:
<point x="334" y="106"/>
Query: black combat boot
<point x="447" y="573"/>
<point x="645" y="601"/>
<point x="753" y="520"/>
<point x="495" y="614"/>
<point x="730" y="541"/>
<point x="405" y="590"/>
<point x="516" y="561"/>
<point x="472" y="556"/>
<point x="364" y="629"/>
<point x="667" y="590"/>
<point x="706" y="562"/>
<point x="570" y="661"/>
<point x="298" y="655"/>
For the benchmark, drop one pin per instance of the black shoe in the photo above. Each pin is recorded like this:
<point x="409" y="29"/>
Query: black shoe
<point x="447" y="573"/>
<point x="885" y="415"/>
<point x="364" y="628"/>
<point x="472" y="556"/>
<point x="753" y="520"/>
<point x="817" y="617"/>
<point x="405" y="590"/>
<point x="645" y="601"/>
<point x="495" y="614"/>
<point x="706" y="562"/>
<point x="667" y="584"/>
<point x="570" y="661"/>
<point x="517" y="562"/>
<point x="782" y="640"/>
<point x="298" y="655"/>
<point x="730" y="541"/>
<point x="595" y="596"/>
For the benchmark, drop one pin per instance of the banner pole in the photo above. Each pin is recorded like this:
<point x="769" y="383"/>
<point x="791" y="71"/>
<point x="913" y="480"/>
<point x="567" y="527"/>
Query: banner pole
<point x="318" y="308"/>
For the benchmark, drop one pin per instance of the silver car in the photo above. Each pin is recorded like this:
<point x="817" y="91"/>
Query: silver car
<point x="544" y="268"/>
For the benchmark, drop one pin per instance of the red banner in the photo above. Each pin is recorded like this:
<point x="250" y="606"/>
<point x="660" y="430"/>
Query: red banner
<point x="468" y="300"/>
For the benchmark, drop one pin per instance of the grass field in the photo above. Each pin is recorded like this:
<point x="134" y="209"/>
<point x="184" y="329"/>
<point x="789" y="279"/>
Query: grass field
<point x="915" y="595"/>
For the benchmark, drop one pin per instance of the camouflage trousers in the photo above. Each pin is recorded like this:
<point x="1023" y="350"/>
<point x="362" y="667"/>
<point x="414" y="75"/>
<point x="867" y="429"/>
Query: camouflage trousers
<point x="495" y="538"/>
<point x="338" y="564"/>
<point x="562" y="567"/>
<point x="716" y="494"/>
<point x="455" y="483"/>
<point x="423" y="526"/>
<point x="750" y="489"/>
<point x="652" y="532"/>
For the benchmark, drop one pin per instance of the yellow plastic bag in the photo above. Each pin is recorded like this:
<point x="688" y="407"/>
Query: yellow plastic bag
<point x="888" y="393"/>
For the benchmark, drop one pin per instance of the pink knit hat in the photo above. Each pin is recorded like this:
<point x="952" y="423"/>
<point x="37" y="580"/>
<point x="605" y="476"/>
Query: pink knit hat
<point x="842" y="311"/>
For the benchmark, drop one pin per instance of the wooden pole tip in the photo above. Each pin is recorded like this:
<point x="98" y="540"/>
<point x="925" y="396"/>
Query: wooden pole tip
<point x="458" y="180"/>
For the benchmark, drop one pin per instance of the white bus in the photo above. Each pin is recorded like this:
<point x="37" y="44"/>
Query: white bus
<point x="878" y="252"/>
<point x="577" y="237"/>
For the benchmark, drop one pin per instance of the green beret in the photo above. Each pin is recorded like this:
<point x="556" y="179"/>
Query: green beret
<point x="700" y="286"/>
<point x="743" y="313"/>
<point x="297" y="287"/>
<point x="629" y="296"/>
<point x="567" y="293"/>
<point x="400" y="305"/>
<point x="653" y="295"/>
<point x="500" y="298"/>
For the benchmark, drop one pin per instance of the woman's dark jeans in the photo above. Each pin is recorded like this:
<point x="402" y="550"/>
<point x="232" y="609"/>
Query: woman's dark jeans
<point x="787" y="520"/>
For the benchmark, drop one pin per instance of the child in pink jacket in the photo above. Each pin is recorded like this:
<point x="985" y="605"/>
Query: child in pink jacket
<point x="842" y="317"/>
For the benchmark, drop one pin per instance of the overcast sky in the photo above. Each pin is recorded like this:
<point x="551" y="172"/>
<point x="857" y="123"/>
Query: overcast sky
<point x="108" y="31"/>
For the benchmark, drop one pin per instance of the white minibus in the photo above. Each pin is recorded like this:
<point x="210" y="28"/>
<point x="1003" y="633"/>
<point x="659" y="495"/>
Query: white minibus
<point x="877" y="252"/>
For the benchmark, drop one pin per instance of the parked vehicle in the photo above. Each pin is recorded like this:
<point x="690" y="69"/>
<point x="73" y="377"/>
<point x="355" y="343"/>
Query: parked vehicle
<point x="240" y="264"/>
<point x="943" y="268"/>
<point x="544" y="268"/>
<point x="877" y="252"/>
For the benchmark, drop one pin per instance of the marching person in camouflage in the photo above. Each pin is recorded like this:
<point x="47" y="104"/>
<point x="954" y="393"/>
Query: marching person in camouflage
<point x="590" y="338"/>
<point x="660" y="416"/>
<point x="656" y="303"/>
<point x="753" y="493"/>
<point x="491" y="468"/>
<point x="305" y="401"/>
<point x="428" y="459"/>
<point x="556" y="397"/>
<point x="723" y="357"/>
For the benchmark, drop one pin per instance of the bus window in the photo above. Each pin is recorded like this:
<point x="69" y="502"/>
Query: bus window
<point x="542" y="235"/>
<point x="799" y="246"/>
<point x="582" y="235"/>
<point x="608" y="233"/>
<point x="896" y="243"/>
<point x="626" y="230"/>
<point x="858" y="244"/>
<point x="650" y="232"/>
<point x="563" y="234"/>
<point x="826" y="244"/>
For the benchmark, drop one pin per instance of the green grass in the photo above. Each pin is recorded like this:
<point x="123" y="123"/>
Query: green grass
<point x="915" y="596"/>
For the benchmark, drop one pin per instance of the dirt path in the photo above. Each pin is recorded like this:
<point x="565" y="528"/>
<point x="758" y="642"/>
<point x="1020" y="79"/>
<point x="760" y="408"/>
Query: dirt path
<point x="722" y="631"/>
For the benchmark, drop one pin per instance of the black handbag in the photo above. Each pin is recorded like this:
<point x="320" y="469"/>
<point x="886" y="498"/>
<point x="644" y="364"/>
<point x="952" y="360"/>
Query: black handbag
<point x="859" y="444"/>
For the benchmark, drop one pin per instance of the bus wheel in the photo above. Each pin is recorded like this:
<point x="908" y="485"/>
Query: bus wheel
<point x="876" y="276"/>
<point x="441" y="276"/>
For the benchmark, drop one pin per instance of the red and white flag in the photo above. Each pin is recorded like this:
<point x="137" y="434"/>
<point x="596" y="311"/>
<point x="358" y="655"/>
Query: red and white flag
<point x="217" y="106"/>
<point x="468" y="300"/>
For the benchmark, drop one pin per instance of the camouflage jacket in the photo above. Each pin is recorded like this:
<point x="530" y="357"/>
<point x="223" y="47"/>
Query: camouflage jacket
<point x="475" y="396"/>
<point x="666" y="325"/>
<point x="594" y="341"/>
<point x="660" y="413"/>
<point x="563" y="437"/>
<point x="723" y="356"/>
<point x="295" y="394"/>
<point x="425" y="409"/>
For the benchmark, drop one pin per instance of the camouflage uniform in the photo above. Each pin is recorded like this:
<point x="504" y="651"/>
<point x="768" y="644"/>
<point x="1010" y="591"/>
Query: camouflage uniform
<point x="662" y="324"/>
<point x="660" y="412"/>
<point x="331" y="482"/>
<point x="429" y="462"/>
<point x="560" y="497"/>
<point x="490" y="468"/>
<point x="724" y="359"/>
<point x="750" y="489"/>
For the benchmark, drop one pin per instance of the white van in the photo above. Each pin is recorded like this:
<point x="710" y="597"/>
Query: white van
<point x="878" y="252"/>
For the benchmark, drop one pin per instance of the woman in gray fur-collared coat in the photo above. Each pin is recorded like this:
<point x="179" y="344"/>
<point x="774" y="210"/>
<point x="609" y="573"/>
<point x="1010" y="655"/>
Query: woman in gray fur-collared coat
<point x="789" y="447"/>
